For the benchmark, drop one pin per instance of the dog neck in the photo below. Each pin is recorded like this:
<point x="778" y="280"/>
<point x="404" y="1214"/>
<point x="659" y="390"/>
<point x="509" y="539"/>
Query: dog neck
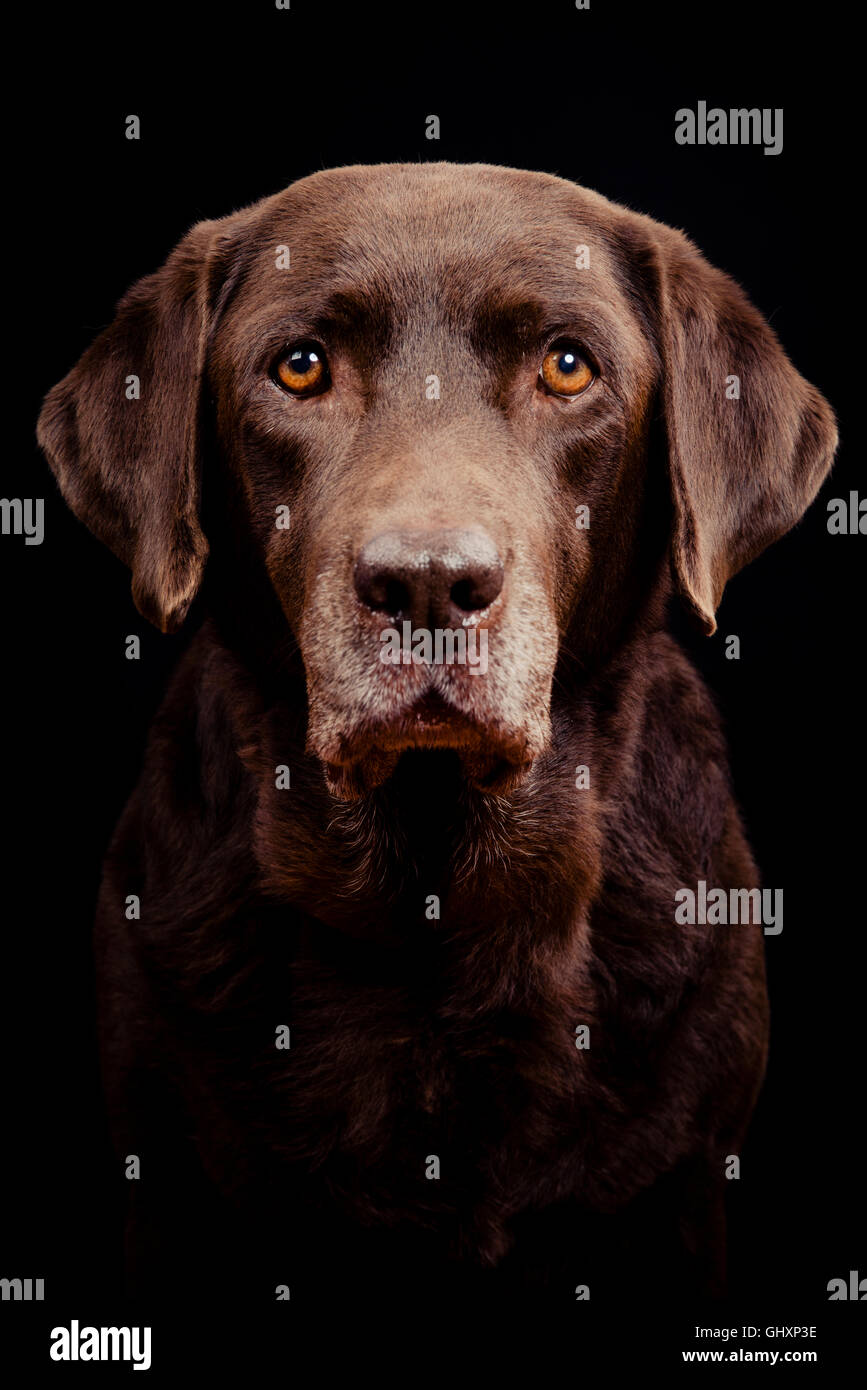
<point x="426" y="852"/>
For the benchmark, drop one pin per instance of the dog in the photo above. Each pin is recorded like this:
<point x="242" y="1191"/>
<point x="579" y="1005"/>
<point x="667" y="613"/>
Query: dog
<point x="391" y="988"/>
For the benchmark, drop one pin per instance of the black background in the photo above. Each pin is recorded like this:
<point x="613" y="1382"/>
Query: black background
<point x="236" y="102"/>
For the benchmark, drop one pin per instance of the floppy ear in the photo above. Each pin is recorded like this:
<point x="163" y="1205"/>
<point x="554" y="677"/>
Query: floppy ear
<point x="744" y="468"/>
<point x="128" y="464"/>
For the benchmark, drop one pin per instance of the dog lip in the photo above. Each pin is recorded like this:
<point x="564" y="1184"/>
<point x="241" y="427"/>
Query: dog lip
<point x="495" y="757"/>
<point x="432" y="721"/>
<point x="432" y="709"/>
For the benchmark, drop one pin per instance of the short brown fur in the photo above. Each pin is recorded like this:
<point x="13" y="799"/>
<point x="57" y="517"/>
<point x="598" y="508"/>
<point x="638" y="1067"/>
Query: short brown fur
<point x="307" y="907"/>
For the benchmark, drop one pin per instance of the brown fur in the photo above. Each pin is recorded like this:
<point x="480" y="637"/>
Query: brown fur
<point x="306" y="907"/>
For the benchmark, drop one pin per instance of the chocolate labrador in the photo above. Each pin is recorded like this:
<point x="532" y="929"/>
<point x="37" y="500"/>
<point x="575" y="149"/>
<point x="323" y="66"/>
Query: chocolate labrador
<point x="395" y="992"/>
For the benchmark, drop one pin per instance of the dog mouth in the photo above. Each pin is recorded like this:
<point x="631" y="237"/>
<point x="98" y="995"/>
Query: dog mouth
<point x="493" y="759"/>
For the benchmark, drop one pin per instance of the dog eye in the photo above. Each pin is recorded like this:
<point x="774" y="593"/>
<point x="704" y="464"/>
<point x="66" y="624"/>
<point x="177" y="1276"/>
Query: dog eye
<point x="565" y="372"/>
<point x="302" y="370"/>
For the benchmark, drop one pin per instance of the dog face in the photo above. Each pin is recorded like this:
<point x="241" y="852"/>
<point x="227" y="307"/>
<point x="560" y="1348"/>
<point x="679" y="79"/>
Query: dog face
<point x="436" y="369"/>
<point x="434" y="453"/>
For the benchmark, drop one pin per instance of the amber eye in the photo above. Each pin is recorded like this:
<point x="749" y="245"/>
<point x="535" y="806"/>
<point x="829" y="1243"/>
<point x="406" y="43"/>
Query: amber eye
<point x="565" y="372"/>
<point x="302" y="369"/>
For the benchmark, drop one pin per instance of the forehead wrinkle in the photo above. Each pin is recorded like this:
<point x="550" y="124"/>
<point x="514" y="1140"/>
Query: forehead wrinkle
<point x="352" y="315"/>
<point x="393" y="234"/>
<point x="365" y="216"/>
<point x="374" y="257"/>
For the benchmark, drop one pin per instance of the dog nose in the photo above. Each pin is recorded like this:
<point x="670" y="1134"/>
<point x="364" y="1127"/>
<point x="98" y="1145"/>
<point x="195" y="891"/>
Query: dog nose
<point x="434" y="578"/>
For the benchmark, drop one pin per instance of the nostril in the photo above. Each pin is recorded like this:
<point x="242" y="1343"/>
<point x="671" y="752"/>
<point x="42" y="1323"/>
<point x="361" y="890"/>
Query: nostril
<point x="464" y="595"/>
<point x="382" y="591"/>
<point x="469" y="596"/>
<point x="476" y="591"/>
<point x="391" y="596"/>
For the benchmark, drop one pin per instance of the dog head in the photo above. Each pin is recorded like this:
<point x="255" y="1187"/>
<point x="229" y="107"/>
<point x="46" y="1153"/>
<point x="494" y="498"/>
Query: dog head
<point x="435" y="389"/>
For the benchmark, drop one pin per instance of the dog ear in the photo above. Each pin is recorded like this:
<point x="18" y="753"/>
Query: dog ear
<point x="749" y="440"/>
<point x="122" y="430"/>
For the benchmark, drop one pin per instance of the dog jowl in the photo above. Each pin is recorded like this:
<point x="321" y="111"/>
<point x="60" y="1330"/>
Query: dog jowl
<point x="391" y="430"/>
